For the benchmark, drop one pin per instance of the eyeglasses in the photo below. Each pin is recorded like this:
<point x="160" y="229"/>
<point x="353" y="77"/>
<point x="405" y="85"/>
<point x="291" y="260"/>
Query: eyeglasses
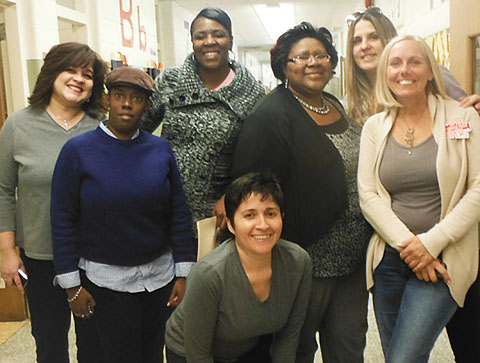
<point x="305" y="59"/>
<point x="353" y="17"/>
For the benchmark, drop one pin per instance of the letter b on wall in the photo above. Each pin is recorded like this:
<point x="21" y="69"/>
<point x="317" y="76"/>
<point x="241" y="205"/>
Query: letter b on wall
<point x="127" y="27"/>
<point x="126" y="24"/>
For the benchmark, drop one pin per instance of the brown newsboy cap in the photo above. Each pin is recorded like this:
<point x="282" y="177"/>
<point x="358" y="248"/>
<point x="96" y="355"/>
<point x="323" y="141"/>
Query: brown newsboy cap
<point x="129" y="77"/>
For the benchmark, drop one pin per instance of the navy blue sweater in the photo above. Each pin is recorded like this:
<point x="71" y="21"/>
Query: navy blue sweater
<point x="118" y="202"/>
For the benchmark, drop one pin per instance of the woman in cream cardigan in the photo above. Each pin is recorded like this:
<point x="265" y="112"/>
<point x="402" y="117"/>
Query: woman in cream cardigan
<point x="419" y="186"/>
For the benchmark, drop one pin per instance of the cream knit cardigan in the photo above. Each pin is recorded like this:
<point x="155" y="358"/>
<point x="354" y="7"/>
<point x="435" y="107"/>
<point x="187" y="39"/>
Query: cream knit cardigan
<point x="455" y="237"/>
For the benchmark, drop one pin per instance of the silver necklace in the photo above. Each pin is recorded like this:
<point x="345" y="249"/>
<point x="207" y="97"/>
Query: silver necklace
<point x="65" y="122"/>
<point x="322" y="110"/>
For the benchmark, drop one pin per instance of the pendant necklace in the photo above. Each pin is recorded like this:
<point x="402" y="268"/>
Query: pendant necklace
<point x="410" y="133"/>
<point x="409" y="136"/>
<point x="322" y="110"/>
<point x="65" y="122"/>
<point x="61" y="120"/>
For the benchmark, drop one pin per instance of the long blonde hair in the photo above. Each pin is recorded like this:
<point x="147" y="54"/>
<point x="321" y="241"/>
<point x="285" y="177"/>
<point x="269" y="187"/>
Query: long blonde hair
<point x="361" y="105"/>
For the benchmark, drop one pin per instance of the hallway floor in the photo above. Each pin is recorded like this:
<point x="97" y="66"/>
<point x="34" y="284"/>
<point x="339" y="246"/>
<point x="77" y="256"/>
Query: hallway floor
<point x="20" y="347"/>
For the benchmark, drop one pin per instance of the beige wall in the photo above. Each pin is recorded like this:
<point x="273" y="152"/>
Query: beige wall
<point x="464" y="23"/>
<point x="34" y="26"/>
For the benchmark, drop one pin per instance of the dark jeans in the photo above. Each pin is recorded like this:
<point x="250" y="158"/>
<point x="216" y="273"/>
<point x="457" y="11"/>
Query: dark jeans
<point x="130" y="326"/>
<point x="50" y="315"/>
<point x="464" y="328"/>
<point x="338" y="311"/>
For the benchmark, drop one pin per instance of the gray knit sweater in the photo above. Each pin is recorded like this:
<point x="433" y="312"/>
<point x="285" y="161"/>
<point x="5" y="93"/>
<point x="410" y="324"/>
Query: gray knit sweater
<point x="30" y="142"/>
<point x="202" y="127"/>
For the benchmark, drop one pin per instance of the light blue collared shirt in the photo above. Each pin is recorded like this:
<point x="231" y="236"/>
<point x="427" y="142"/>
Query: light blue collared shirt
<point x="150" y="276"/>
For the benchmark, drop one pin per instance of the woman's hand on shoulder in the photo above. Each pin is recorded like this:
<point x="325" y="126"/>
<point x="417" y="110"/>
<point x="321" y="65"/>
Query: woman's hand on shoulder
<point x="414" y="253"/>
<point x="471" y="101"/>
<point x="433" y="271"/>
<point x="178" y="291"/>
<point x="81" y="302"/>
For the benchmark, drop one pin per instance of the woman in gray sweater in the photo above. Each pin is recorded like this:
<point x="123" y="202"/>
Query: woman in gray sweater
<point x="246" y="300"/>
<point x="65" y="102"/>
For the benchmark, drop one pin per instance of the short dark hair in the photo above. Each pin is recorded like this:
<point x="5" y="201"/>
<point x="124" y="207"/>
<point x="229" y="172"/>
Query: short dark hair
<point x="216" y="14"/>
<point x="60" y="58"/>
<point x="261" y="182"/>
<point x="281" y="49"/>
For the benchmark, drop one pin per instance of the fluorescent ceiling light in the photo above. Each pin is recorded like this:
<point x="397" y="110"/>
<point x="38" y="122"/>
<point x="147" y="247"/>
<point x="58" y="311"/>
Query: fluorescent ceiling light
<point x="276" y="18"/>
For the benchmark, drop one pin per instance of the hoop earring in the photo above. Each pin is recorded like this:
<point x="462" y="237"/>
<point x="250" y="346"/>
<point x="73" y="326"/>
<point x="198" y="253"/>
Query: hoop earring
<point x="285" y="84"/>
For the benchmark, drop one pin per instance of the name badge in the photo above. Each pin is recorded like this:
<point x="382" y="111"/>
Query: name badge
<point x="458" y="129"/>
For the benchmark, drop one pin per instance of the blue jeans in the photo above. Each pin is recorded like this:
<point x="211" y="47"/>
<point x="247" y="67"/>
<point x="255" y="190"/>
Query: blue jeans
<point x="410" y="313"/>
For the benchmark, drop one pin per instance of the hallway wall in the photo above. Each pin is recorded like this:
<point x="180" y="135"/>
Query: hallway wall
<point x="464" y="25"/>
<point x="32" y="27"/>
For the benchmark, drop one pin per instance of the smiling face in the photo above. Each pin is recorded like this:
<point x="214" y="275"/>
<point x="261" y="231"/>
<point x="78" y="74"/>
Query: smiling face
<point x="127" y="105"/>
<point x="408" y="71"/>
<point x="367" y="46"/>
<point x="258" y="225"/>
<point x="308" y="79"/>
<point x="211" y="43"/>
<point x="73" y="86"/>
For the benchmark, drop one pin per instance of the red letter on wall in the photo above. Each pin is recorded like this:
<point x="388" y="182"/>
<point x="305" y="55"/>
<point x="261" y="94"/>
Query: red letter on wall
<point x="141" y="30"/>
<point x="126" y="17"/>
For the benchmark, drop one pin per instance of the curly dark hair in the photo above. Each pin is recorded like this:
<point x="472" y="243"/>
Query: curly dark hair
<point x="281" y="49"/>
<point x="60" y="58"/>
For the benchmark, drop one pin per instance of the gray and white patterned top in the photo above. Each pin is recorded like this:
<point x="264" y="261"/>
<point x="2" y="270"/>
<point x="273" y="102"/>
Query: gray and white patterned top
<point x="202" y="127"/>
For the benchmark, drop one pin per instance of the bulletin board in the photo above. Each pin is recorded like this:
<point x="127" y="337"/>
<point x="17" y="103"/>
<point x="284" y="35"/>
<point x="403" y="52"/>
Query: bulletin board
<point x="440" y="45"/>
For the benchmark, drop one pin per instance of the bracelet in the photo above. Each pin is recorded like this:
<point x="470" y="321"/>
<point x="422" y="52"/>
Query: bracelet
<point x="75" y="296"/>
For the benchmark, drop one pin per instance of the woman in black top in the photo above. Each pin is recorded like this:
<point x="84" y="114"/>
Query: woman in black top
<point x="303" y="135"/>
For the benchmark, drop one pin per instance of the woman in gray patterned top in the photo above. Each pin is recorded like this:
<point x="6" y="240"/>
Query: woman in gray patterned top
<point x="302" y="134"/>
<point x="202" y="105"/>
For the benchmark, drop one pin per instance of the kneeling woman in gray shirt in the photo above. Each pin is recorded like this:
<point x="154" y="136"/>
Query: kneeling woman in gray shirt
<point x="246" y="300"/>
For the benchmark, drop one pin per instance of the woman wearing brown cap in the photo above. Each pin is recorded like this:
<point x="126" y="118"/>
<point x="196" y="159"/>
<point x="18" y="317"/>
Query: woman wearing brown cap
<point x="118" y="206"/>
